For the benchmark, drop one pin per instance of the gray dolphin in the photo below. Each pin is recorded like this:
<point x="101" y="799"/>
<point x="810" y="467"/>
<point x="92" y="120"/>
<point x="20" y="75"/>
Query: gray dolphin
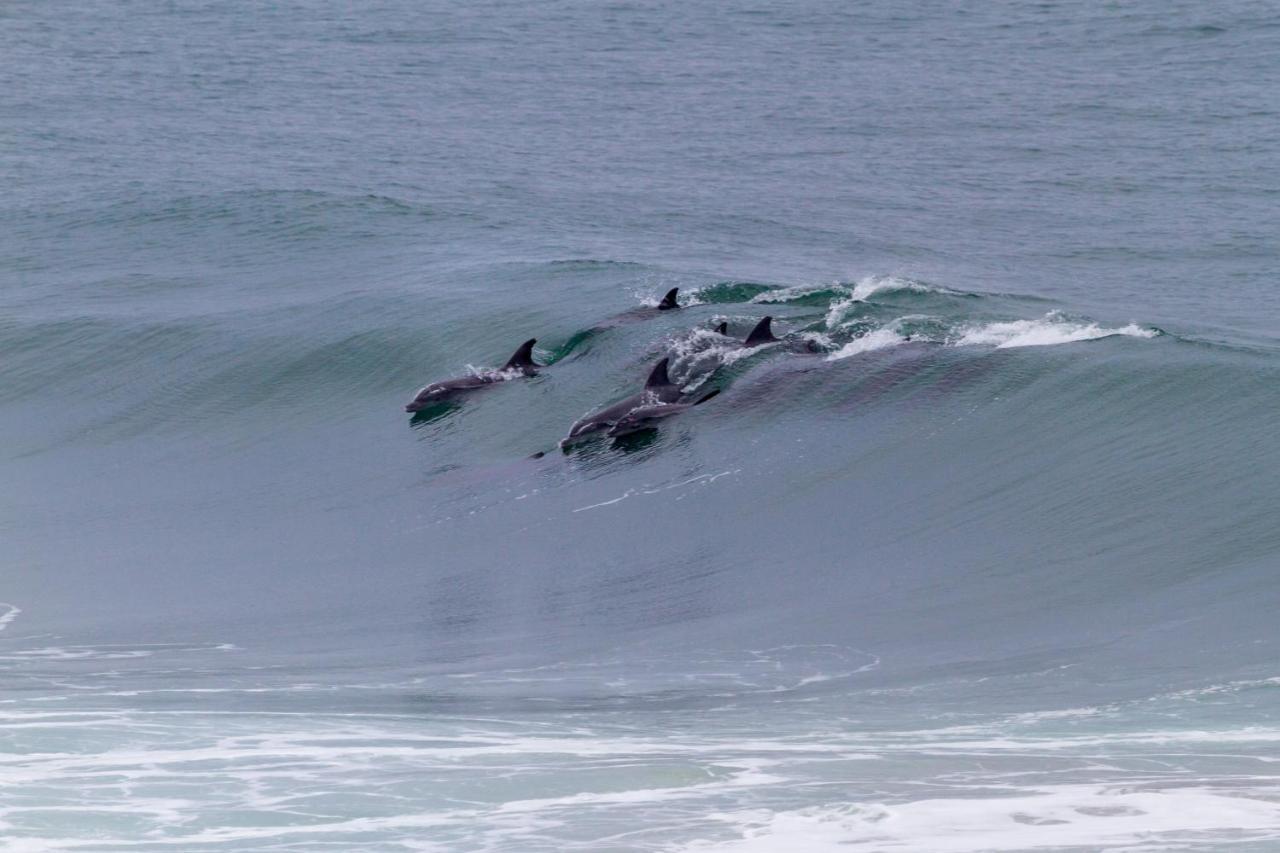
<point x="761" y="334"/>
<point x="636" y="315"/>
<point x="648" y="417"/>
<point x="658" y="389"/>
<point x="520" y="364"/>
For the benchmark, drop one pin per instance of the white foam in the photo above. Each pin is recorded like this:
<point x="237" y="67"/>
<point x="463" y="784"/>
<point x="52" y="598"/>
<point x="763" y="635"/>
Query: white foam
<point x="1230" y="687"/>
<point x="1084" y="816"/>
<point x="818" y="339"/>
<point x="747" y="773"/>
<point x="876" y="340"/>
<point x="1032" y="717"/>
<point x="696" y="356"/>
<point x="497" y="374"/>
<point x="287" y="781"/>
<point x="699" y="343"/>
<point x="105" y="651"/>
<point x="835" y="314"/>
<point x="1049" y="330"/>
<point x="11" y="613"/>
<point x="75" y="653"/>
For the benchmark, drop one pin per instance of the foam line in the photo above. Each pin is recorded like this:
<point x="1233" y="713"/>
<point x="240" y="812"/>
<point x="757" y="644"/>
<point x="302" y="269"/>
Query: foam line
<point x="1049" y="330"/>
<point x="9" y="614"/>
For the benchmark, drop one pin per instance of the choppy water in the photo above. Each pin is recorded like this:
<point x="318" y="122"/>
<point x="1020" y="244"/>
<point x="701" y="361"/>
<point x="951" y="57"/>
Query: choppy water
<point x="982" y="557"/>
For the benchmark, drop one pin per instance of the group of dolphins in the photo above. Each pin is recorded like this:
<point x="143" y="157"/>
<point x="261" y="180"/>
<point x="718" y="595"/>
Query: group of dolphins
<point x="659" y="399"/>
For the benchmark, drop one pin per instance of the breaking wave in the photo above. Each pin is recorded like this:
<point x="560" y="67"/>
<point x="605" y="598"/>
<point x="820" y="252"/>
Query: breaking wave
<point x="1050" y="330"/>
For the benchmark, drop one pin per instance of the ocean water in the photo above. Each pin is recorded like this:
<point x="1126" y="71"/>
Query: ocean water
<point x="984" y="556"/>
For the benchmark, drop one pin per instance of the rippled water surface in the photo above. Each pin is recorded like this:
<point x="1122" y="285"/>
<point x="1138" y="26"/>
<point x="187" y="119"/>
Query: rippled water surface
<point x="980" y="556"/>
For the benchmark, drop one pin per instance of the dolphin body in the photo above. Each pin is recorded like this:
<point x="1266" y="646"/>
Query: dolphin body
<point x="648" y="417"/>
<point x="658" y="390"/>
<point x="520" y="364"/>
<point x="636" y="315"/>
<point x="668" y="303"/>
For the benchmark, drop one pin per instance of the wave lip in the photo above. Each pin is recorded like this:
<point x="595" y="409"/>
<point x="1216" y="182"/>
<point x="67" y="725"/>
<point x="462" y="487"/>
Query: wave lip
<point x="798" y="293"/>
<point x="871" y="285"/>
<point x="877" y="284"/>
<point x="1049" y="330"/>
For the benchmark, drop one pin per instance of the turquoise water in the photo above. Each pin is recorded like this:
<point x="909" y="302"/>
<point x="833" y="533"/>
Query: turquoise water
<point x="981" y="557"/>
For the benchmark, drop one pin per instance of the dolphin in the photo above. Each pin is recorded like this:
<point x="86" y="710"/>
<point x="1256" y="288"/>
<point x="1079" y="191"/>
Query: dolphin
<point x="636" y="315"/>
<point x="658" y="389"/>
<point x="520" y="364"/>
<point x="761" y="334"/>
<point x="647" y="417"/>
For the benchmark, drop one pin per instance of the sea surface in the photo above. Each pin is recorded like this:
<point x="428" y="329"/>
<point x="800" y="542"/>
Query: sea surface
<point x="983" y="556"/>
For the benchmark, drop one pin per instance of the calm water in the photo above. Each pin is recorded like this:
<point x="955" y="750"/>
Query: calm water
<point x="982" y="557"/>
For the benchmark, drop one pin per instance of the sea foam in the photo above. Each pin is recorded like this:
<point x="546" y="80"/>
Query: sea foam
<point x="879" y="339"/>
<point x="1049" y="330"/>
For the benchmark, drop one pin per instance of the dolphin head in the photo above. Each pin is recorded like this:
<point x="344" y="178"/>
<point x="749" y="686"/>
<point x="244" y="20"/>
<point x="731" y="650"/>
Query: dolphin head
<point x="584" y="428"/>
<point x="434" y="393"/>
<point x="449" y="390"/>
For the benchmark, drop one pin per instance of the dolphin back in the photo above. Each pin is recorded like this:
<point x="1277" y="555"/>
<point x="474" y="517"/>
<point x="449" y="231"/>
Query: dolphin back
<point x="522" y="359"/>
<point x="761" y="334"/>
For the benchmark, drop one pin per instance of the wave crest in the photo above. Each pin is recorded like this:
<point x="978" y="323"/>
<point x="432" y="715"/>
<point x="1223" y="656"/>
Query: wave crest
<point x="1049" y="330"/>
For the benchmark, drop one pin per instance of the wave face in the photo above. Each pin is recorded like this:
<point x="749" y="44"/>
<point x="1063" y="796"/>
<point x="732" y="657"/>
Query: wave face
<point x="981" y="555"/>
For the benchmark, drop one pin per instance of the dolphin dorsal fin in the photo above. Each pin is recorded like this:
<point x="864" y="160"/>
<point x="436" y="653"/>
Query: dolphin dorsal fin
<point x="658" y="377"/>
<point x="761" y="334"/>
<point x="523" y="357"/>
<point x="723" y="328"/>
<point x="669" y="301"/>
